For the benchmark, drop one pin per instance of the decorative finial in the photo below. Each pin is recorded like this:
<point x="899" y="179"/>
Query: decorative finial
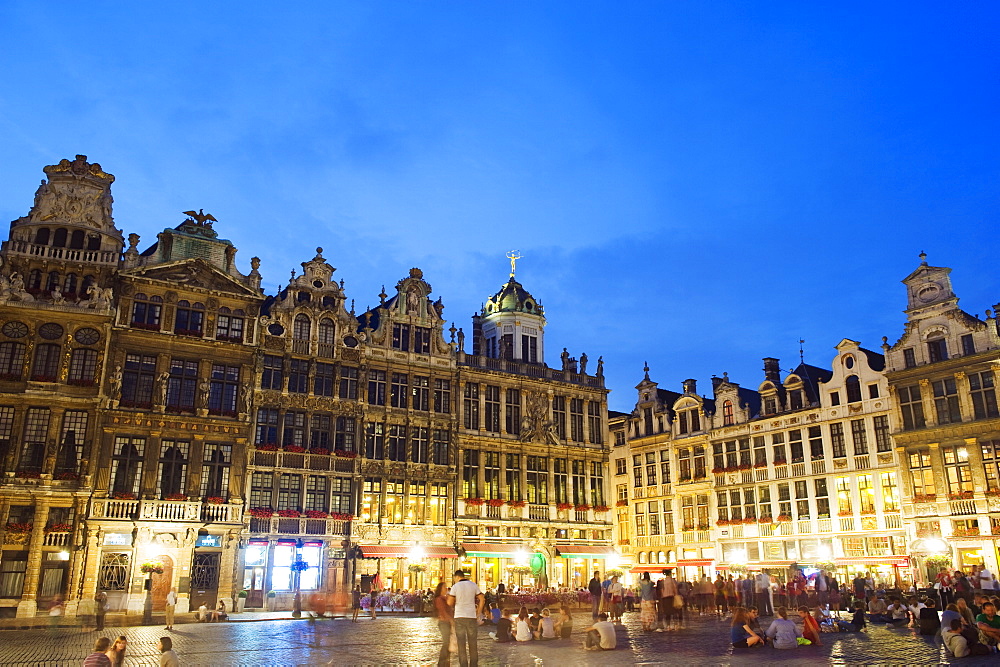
<point x="341" y="283"/>
<point x="802" y="359"/>
<point x="923" y="257"/>
<point x="725" y="377"/>
<point x="452" y="329"/>
<point x="352" y="307"/>
<point x="382" y="295"/>
<point x="319" y="251"/>
<point x="293" y="277"/>
<point x="645" y="369"/>
<point x="513" y="256"/>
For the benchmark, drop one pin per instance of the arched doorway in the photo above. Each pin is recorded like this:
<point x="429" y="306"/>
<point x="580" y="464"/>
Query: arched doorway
<point x="161" y="583"/>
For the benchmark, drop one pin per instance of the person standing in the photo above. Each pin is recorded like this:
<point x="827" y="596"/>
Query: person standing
<point x="467" y="601"/>
<point x="101" y="608"/>
<point x="647" y="602"/>
<point x="667" y="589"/>
<point x="617" y="594"/>
<point x="596" y="591"/>
<point x="985" y="580"/>
<point x="355" y="603"/>
<point x="99" y="658"/>
<point x="762" y="585"/>
<point x="445" y="618"/>
<point x="944" y="582"/>
<point x="822" y="587"/>
<point x="171" y="604"/>
<point x="167" y="656"/>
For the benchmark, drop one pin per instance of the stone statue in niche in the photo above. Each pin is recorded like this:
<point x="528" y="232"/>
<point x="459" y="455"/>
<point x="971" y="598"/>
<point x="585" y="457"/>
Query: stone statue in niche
<point x="204" y="388"/>
<point x="162" y="380"/>
<point x="15" y="288"/>
<point x="412" y="301"/>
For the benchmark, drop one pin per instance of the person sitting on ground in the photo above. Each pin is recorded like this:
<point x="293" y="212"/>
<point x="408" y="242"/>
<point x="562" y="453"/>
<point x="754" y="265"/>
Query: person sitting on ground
<point x="953" y="639"/>
<point x="857" y="622"/>
<point x="810" y="628"/>
<point x="989" y="624"/>
<point x="534" y="622"/>
<point x="967" y="616"/>
<point x="753" y="620"/>
<point x="167" y="656"/>
<point x="897" y="612"/>
<point x="202" y="614"/>
<point x="505" y="627"/>
<point x="930" y="622"/>
<point x="949" y="614"/>
<point x="564" y="622"/>
<point x="877" y="611"/>
<point x="915" y="605"/>
<point x="522" y="631"/>
<point x="546" y="626"/>
<point x="740" y="632"/>
<point x="783" y="633"/>
<point x="99" y="657"/>
<point x="601" y="635"/>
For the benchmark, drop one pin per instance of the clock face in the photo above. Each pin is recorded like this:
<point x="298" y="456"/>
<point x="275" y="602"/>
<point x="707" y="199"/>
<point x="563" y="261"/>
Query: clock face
<point x="87" y="336"/>
<point x="15" y="330"/>
<point x="50" y="331"/>
<point x="929" y="292"/>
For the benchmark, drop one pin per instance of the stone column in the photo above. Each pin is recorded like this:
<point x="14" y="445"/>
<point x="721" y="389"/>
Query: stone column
<point x="927" y="400"/>
<point x="196" y="459"/>
<point x="964" y="397"/>
<point x="91" y="562"/>
<point x="53" y="440"/>
<point x="28" y="605"/>
<point x="150" y="465"/>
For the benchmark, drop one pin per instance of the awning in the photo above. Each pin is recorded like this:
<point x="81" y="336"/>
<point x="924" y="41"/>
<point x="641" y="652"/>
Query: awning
<point x="694" y="562"/>
<point x="487" y="550"/>
<point x="403" y="551"/>
<point x="896" y="561"/>
<point x="653" y="568"/>
<point x="584" y="551"/>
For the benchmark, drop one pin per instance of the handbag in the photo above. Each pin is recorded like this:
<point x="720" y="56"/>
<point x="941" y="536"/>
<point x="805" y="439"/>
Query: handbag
<point x="678" y="601"/>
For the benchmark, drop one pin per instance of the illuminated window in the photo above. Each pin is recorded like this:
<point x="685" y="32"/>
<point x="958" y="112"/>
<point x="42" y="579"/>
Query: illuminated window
<point x="956" y="465"/>
<point x="921" y="473"/>
<point x="890" y="492"/>
<point x="867" y="494"/>
<point x="844" y="496"/>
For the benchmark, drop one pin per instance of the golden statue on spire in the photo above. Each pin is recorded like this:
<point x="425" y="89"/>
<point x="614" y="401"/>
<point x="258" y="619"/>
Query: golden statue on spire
<point x="513" y="256"/>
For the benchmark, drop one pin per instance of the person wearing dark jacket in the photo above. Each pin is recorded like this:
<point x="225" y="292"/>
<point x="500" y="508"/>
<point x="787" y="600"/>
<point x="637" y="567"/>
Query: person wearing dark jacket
<point x="930" y="622"/>
<point x="596" y="591"/>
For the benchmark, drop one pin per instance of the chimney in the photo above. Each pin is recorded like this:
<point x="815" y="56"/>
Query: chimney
<point x="690" y="386"/>
<point x="772" y="371"/>
<point x="477" y="335"/>
<point x="716" y="381"/>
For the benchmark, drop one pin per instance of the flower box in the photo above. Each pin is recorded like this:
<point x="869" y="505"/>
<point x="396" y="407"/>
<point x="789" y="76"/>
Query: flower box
<point x="965" y="495"/>
<point x="342" y="516"/>
<point x="215" y="500"/>
<point x="516" y="503"/>
<point x="685" y="478"/>
<point x="28" y="474"/>
<point x="58" y="528"/>
<point x="760" y="465"/>
<point x="261" y="512"/>
<point x="345" y="454"/>
<point x="267" y="448"/>
<point x="43" y="378"/>
<point x="780" y="462"/>
<point x="718" y="471"/>
<point x="621" y="503"/>
<point x="783" y="518"/>
<point x="151" y="567"/>
<point x="845" y="513"/>
<point x="175" y="496"/>
<point x="564" y="506"/>
<point x="702" y="526"/>
<point x="601" y="508"/>
<point x="582" y="508"/>
<point x="65" y="476"/>
<point x="924" y="497"/>
<point x="722" y="522"/>
<point x="222" y="413"/>
<point x="765" y="519"/>
<point x="124" y="495"/>
<point x="140" y="405"/>
<point x="289" y="514"/>
<point x="294" y="449"/>
<point x="321" y="451"/>
<point x="474" y="501"/>
<point x="495" y="502"/>
<point x="316" y="514"/>
<point x="144" y="325"/>
<point x="750" y="520"/>
<point x="20" y="528"/>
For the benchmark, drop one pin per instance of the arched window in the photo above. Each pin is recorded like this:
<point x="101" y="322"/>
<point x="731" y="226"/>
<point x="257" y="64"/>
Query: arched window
<point x="76" y="240"/>
<point x="189" y="319"/>
<point x="642" y="558"/>
<point x="327" y="330"/>
<point x="69" y="284"/>
<point x="42" y="236"/>
<point x="302" y="327"/>
<point x="728" y="419"/>
<point x="853" y="389"/>
<point x="662" y="557"/>
<point x="46" y="366"/>
<point x="94" y="242"/>
<point x="59" y="238"/>
<point x="35" y="279"/>
<point x="54" y="281"/>
<point x="146" y="312"/>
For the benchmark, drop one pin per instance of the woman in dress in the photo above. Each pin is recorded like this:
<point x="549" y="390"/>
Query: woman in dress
<point x="647" y="603"/>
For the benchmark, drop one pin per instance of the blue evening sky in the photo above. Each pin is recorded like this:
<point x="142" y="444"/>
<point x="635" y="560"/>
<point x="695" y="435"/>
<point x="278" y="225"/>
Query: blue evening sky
<point x="696" y="184"/>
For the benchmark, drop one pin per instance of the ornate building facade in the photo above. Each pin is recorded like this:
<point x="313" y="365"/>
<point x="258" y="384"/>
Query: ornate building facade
<point x="165" y="424"/>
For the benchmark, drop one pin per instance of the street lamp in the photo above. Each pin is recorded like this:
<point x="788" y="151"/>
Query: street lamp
<point x="298" y="566"/>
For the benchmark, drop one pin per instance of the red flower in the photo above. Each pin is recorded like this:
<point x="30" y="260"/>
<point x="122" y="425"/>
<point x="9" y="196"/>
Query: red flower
<point x="516" y="503"/>
<point x="495" y="502"/>
<point x="322" y="451"/>
<point x="215" y="500"/>
<point x="474" y="501"/>
<point x="622" y="503"/>
<point x="564" y="506"/>
<point x="58" y="528"/>
<point x="290" y="514"/>
<point x="175" y="496"/>
<point x="269" y="447"/>
<point x="261" y="512"/>
<point x="342" y="516"/>
<point x="601" y="508"/>
<point x="294" y="449"/>
<point x="316" y="514"/>
<point x="124" y="495"/>
<point x="582" y="508"/>
<point x="345" y="454"/>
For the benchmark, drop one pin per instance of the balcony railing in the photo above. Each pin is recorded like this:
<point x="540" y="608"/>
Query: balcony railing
<point x="164" y="510"/>
<point x="538" y="512"/>
<point x="580" y="515"/>
<point x="293" y="526"/>
<point x="533" y="370"/>
<point x="862" y="462"/>
<point x="67" y="254"/>
<point x="893" y="521"/>
<point x="962" y="507"/>
<point x="56" y="539"/>
<point x="280" y="459"/>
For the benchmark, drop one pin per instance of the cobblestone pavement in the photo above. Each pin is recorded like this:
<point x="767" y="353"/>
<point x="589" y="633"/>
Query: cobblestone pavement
<point x="391" y="640"/>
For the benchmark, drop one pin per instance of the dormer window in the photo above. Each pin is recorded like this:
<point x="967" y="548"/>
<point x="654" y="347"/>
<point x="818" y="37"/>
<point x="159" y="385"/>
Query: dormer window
<point x="728" y="419"/>
<point x="795" y="399"/>
<point x="401" y="337"/>
<point x="689" y="422"/>
<point x="770" y="405"/>
<point x="937" y="350"/>
<point x="301" y="327"/>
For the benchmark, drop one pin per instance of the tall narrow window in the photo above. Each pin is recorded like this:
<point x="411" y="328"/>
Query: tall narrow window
<point x="11" y="361"/>
<point x="513" y="412"/>
<point x="946" y="401"/>
<point x="189" y="319"/>
<point x="844" y="501"/>
<point x="302" y="327"/>
<point x="882" y="441"/>
<point x="376" y="387"/>
<point x="401" y="337"/>
<point x="319" y="431"/>
<point x="261" y="489"/>
<point x="400" y="386"/>
<point x="728" y="417"/>
<point x="984" y="397"/>
<point x="911" y="406"/>
<point x="396" y="443"/>
<point x="294" y="429"/>
<point x="492" y="412"/>
<point x="46" y="366"/>
<point x="442" y="396"/>
<point x="83" y="367"/>
<point x="71" y="441"/>
<point x="340" y="495"/>
<point x="267" y="426"/>
<point x="512" y="476"/>
<point x="6" y="430"/>
<point x="529" y="349"/>
<point x="968" y="345"/>
<point x="327" y="331"/>
<point x="922" y="474"/>
<point x="537" y="477"/>
<point x="290" y="492"/>
<point x="348" y="382"/>
<point x="867" y="493"/>
<point x="345" y="434"/>
<point x="298" y="376"/>
<point x="860" y="436"/>
<point x="890" y="492"/>
<point x="419" y="442"/>
<point x="36" y="427"/>
<point x="421" y="340"/>
<point x="224" y="387"/>
<point x="853" y="389"/>
<point x="317" y="494"/>
<point x="795" y="445"/>
<point x="272" y="376"/>
<point x="937" y="350"/>
<point x="229" y="326"/>
<point x="837" y="444"/>
<point x="441" y="441"/>
<point x="596" y="483"/>
<point x="909" y="358"/>
<point x="438" y="509"/>
<point x="420" y="393"/>
<point x="470" y="473"/>
<point x="471" y="406"/>
<point x="559" y="416"/>
<point x="375" y="440"/>
<point x="576" y="419"/>
<point x="173" y="468"/>
<point x="956" y="465"/>
<point x="126" y="465"/>
<point x="324" y="380"/>
<point x="595" y="424"/>
<point x="560" y="479"/>
<point x="491" y="474"/>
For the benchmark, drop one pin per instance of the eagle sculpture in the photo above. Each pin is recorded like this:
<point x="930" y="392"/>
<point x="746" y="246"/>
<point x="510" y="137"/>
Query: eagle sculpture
<point x="200" y="216"/>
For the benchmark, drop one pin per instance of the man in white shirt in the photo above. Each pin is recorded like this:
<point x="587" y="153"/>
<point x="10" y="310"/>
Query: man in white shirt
<point x="170" y="606"/>
<point x="468" y="602"/>
<point x="985" y="579"/>
<point x="601" y="635"/>
<point x="762" y="584"/>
